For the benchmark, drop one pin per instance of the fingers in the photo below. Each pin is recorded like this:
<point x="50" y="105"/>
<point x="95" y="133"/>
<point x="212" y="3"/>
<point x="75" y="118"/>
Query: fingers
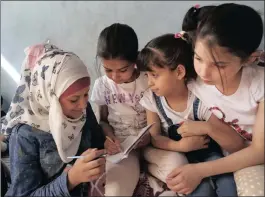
<point x="92" y="155"/>
<point x="95" y="164"/>
<point x="174" y="173"/>
<point x="88" y="151"/>
<point x="111" y="148"/>
<point x="184" y="191"/>
<point x="177" y="188"/>
<point x="95" y="172"/>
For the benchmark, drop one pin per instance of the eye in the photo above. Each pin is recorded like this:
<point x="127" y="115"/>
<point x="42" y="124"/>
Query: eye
<point x="154" y="75"/>
<point x="108" y="71"/>
<point x="123" y="71"/>
<point x="74" y="101"/>
<point x="197" y="58"/>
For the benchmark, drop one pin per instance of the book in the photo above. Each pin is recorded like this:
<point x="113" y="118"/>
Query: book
<point x="128" y="145"/>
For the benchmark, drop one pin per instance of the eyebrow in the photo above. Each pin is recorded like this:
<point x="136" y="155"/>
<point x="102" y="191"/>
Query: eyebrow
<point x="119" y="68"/>
<point x="214" y="62"/>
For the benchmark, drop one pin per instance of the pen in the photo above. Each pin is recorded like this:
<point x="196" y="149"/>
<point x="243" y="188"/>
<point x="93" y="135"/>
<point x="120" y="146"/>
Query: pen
<point x="79" y="157"/>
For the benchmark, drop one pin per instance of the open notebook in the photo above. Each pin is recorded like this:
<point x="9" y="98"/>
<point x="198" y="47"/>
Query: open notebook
<point x="127" y="145"/>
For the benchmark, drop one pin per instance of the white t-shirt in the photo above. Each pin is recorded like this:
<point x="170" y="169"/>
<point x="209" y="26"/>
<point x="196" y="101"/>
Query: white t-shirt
<point x="126" y="115"/>
<point x="240" y="109"/>
<point x="149" y="103"/>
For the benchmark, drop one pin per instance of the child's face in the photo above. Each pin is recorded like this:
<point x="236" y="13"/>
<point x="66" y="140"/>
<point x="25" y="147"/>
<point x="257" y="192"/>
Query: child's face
<point x="74" y="105"/>
<point x="223" y="70"/>
<point x="161" y="80"/>
<point x="120" y="71"/>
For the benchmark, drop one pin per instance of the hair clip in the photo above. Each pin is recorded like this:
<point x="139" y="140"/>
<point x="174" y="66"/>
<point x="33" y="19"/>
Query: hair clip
<point x="180" y="35"/>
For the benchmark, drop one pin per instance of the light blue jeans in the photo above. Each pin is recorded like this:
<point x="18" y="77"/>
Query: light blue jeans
<point x="219" y="185"/>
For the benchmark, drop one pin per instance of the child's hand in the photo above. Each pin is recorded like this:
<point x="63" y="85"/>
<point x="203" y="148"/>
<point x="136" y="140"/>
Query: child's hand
<point x="145" y="141"/>
<point x="86" y="169"/>
<point x="112" y="145"/>
<point x="184" y="179"/>
<point x="193" y="128"/>
<point x="192" y="143"/>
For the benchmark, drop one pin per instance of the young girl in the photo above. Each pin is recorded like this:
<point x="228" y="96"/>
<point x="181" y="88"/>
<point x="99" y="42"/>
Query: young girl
<point x="118" y="94"/>
<point x="233" y="88"/>
<point x="169" y="65"/>
<point x="48" y="121"/>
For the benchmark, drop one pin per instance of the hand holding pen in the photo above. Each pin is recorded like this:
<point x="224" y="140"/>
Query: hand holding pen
<point x="112" y="145"/>
<point x="88" y="167"/>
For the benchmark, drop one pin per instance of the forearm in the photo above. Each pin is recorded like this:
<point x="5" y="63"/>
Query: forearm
<point x="107" y="128"/>
<point x="57" y="187"/>
<point x="165" y="143"/>
<point x="246" y="157"/>
<point x="228" y="139"/>
<point x="225" y="135"/>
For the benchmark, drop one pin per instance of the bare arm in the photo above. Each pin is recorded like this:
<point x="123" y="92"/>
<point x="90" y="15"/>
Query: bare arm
<point x="103" y="121"/>
<point x="249" y="156"/>
<point x="184" y="145"/>
<point x="221" y="132"/>
<point x="225" y="135"/>
<point x="157" y="139"/>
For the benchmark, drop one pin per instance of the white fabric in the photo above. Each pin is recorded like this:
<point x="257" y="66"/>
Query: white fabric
<point x="126" y="115"/>
<point x="239" y="109"/>
<point x="36" y="101"/>
<point x="148" y="102"/>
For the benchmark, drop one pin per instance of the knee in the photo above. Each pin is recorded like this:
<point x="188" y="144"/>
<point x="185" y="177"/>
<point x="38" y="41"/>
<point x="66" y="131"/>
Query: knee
<point x="204" y="189"/>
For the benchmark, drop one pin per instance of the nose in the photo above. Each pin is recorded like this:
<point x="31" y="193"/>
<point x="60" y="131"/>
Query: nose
<point x="115" y="76"/>
<point x="204" y="71"/>
<point x="150" y="82"/>
<point x="82" y="103"/>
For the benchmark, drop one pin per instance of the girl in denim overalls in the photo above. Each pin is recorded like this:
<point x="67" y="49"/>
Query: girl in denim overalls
<point x="169" y="65"/>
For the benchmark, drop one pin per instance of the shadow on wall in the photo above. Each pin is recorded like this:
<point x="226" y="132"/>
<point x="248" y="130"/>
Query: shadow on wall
<point x="9" y="81"/>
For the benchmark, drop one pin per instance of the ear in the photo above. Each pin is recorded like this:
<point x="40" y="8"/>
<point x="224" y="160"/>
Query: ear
<point x="180" y="72"/>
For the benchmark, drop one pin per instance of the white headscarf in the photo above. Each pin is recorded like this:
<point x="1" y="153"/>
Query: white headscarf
<point x="47" y="72"/>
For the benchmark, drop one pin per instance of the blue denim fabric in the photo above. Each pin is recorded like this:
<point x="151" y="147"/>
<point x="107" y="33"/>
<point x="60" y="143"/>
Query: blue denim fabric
<point x="36" y="168"/>
<point x="219" y="185"/>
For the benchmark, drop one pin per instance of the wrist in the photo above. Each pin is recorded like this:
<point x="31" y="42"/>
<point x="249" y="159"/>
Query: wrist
<point x="207" y="128"/>
<point x="202" y="169"/>
<point x="72" y="182"/>
<point x="178" y="146"/>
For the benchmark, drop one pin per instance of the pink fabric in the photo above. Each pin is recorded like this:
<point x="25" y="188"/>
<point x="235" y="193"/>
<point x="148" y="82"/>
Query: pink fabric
<point x="76" y="86"/>
<point x="33" y="53"/>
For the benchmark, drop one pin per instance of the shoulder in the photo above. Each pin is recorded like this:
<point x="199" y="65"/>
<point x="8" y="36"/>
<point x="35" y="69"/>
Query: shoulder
<point x="254" y="81"/>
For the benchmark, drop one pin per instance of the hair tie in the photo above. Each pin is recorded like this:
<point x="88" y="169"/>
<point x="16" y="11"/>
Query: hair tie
<point x="180" y="35"/>
<point x="196" y="7"/>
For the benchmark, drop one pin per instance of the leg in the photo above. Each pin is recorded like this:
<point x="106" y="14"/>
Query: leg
<point x="122" y="178"/>
<point x="204" y="189"/>
<point x="224" y="183"/>
<point x="250" y="181"/>
<point x="162" y="162"/>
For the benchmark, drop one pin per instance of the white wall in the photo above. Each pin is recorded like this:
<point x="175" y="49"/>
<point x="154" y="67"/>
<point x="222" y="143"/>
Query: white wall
<point x="75" y="26"/>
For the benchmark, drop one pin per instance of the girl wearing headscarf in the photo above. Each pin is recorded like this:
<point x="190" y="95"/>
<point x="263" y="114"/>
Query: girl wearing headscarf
<point x="49" y="120"/>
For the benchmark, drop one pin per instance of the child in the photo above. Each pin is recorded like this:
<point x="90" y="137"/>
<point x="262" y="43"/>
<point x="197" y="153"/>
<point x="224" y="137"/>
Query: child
<point x="169" y="65"/>
<point x="233" y="87"/>
<point x="48" y="120"/>
<point x="118" y="94"/>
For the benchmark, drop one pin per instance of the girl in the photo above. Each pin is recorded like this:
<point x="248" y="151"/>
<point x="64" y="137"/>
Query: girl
<point x="48" y="120"/>
<point x="233" y="88"/>
<point x="169" y="65"/>
<point x="118" y="94"/>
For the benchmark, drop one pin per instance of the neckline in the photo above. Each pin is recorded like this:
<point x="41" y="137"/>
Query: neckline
<point x="215" y="89"/>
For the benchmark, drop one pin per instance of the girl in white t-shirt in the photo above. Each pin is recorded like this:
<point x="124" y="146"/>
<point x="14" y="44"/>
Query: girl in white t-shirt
<point x="233" y="88"/>
<point x="118" y="94"/>
<point x="169" y="65"/>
